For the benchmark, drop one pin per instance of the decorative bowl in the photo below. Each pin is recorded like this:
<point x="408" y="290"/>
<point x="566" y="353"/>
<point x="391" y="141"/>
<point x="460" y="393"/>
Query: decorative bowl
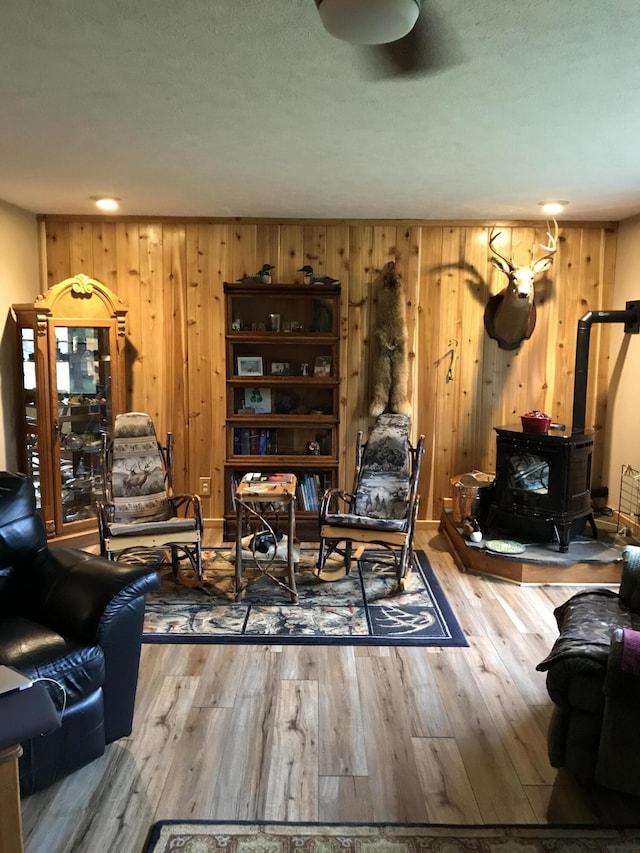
<point x="535" y="421"/>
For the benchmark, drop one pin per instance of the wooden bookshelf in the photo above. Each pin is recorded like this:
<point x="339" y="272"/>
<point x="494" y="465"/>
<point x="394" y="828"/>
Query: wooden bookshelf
<point x="282" y="397"/>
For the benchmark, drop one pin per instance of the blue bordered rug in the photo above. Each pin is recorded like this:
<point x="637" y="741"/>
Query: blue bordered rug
<point x="361" y="608"/>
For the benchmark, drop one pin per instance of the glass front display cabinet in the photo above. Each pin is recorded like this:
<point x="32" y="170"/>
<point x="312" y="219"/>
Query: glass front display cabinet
<point x="71" y="384"/>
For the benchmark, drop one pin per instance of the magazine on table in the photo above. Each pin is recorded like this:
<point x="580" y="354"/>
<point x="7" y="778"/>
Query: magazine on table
<point x="257" y="477"/>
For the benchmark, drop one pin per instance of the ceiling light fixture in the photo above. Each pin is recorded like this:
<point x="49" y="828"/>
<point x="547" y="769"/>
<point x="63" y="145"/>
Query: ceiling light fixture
<point x="553" y="207"/>
<point x="107" y="203"/>
<point x="369" y="21"/>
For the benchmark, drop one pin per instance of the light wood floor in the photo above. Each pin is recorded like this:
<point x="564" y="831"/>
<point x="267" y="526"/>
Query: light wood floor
<point x="328" y="733"/>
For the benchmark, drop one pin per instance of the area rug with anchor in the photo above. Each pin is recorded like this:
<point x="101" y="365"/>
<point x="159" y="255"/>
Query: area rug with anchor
<point x="209" y="837"/>
<point x="362" y="607"/>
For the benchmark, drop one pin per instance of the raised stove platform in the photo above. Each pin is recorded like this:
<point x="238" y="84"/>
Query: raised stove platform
<point x="519" y="570"/>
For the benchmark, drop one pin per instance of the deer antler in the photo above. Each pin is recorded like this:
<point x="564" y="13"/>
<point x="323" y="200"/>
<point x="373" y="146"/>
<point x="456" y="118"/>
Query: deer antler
<point x="552" y="248"/>
<point x="493" y="237"/>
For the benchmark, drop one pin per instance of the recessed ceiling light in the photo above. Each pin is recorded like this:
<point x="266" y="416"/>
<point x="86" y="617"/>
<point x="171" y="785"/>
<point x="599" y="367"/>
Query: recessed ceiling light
<point x="107" y="203"/>
<point x="553" y="206"/>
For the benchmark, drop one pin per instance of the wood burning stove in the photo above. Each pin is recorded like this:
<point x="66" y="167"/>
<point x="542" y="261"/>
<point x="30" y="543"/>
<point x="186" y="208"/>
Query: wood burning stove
<point x="541" y="490"/>
<point x="543" y="480"/>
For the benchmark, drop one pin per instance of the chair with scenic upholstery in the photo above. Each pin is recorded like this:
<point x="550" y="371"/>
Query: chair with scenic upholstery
<point x="140" y="510"/>
<point x="382" y="507"/>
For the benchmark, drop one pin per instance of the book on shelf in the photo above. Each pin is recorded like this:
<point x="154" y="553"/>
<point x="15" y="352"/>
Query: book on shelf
<point x="254" y="441"/>
<point x="307" y="493"/>
<point x="313" y="493"/>
<point x="319" y="488"/>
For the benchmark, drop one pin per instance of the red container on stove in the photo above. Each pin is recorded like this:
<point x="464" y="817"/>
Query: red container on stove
<point x="535" y="421"/>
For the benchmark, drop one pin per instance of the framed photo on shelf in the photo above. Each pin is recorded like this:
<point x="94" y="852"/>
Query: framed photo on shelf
<point x="280" y="368"/>
<point x="322" y="366"/>
<point x="250" y="365"/>
<point x="258" y="399"/>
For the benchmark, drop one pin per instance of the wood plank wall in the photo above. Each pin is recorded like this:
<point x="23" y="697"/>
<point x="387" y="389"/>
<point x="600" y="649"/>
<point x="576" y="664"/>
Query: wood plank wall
<point x="171" y="273"/>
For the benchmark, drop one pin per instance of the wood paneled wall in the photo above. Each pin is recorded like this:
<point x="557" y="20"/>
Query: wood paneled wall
<point x="171" y="273"/>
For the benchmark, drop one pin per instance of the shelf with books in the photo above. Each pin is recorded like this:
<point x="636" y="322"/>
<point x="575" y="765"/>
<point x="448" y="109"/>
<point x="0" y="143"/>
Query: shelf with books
<point x="283" y="382"/>
<point x="261" y="438"/>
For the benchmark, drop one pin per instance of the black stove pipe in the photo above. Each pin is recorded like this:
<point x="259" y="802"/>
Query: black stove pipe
<point x="631" y="318"/>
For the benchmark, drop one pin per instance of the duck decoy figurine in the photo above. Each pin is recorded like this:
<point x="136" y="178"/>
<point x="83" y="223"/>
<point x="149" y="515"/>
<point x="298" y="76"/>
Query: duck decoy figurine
<point x="316" y="278"/>
<point x="263" y="276"/>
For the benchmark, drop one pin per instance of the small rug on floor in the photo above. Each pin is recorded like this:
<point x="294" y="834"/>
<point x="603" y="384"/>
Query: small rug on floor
<point x="207" y="837"/>
<point x="361" y="608"/>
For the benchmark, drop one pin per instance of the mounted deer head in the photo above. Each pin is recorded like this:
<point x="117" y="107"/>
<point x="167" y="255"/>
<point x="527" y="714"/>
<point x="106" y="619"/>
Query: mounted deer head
<point x="510" y="316"/>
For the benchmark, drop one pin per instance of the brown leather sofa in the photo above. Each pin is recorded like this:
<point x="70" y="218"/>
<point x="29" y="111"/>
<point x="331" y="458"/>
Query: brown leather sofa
<point x="72" y="621"/>
<point x="593" y="678"/>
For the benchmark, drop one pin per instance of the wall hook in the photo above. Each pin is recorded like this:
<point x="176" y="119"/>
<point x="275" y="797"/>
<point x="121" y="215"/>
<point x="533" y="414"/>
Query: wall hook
<point x="451" y="355"/>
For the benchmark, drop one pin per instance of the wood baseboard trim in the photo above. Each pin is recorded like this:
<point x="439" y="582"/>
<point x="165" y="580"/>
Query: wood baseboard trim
<point x="427" y="524"/>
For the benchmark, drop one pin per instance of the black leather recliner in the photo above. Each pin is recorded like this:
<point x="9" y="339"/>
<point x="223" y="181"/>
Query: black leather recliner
<point x="74" y="620"/>
<point x="593" y="678"/>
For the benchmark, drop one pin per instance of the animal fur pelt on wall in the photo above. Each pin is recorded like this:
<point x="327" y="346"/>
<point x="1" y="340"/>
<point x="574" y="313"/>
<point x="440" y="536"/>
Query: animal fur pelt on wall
<point x="390" y="366"/>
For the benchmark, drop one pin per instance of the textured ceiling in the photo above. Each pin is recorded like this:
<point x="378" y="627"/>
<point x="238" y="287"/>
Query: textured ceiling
<point x="249" y="108"/>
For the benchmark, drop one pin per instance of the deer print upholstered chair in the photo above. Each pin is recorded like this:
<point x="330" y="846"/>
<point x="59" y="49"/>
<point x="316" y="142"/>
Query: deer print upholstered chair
<point x="382" y="507"/>
<point x="140" y="509"/>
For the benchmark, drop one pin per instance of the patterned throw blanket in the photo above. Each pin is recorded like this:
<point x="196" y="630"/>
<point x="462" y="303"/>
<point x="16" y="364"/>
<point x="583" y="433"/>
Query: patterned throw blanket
<point x="586" y="623"/>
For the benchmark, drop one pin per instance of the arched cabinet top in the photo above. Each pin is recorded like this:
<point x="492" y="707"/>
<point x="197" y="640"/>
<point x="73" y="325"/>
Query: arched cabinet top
<point x="80" y="298"/>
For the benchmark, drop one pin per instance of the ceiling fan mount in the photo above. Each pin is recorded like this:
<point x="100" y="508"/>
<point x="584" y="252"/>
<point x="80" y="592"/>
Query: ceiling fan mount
<point x="369" y="21"/>
<point x="401" y="38"/>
